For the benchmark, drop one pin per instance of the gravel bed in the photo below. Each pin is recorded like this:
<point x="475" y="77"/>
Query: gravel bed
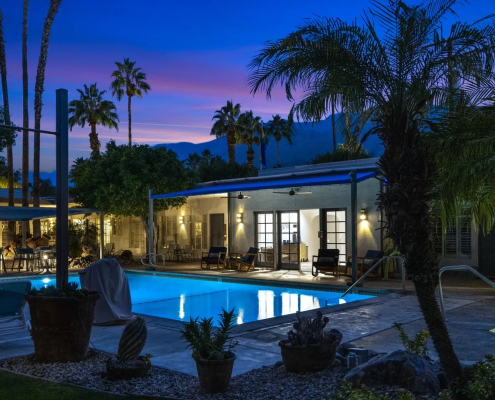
<point x="271" y="382"/>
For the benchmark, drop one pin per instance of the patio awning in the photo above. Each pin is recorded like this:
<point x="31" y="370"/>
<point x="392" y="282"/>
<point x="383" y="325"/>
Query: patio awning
<point x="274" y="182"/>
<point x="30" y="213"/>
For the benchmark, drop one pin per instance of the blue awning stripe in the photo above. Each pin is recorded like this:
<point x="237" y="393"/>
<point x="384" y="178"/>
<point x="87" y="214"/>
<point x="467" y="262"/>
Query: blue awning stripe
<point x="321" y="180"/>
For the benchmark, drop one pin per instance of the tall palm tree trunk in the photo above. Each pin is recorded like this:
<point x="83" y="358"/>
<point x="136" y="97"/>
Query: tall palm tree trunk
<point x="38" y="105"/>
<point x="129" y="119"/>
<point x="278" y="154"/>
<point x="94" y="143"/>
<point x="231" y="142"/>
<point x="6" y="109"/>
<point x="406" y="202"/>
<point x="334" y="132"/>
<point x="250" y="154"/>
<point x="25" y="109"/>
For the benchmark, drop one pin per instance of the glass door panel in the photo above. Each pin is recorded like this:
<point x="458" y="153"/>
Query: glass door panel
<point x="264" y="238"/>
<point x="289" y="240"/>
<point x="335" y="232"/>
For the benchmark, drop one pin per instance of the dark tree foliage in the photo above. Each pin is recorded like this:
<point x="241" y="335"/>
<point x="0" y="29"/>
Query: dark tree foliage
<point x="340" y="154"/>
<point x="206" y="168"/>
<point x="4" y="171"/>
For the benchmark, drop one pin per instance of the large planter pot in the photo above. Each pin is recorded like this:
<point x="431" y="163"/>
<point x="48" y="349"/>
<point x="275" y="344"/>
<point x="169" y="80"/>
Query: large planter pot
<point x="61" y="327"/>
<point x="308" y="358"/>
<point x="214" y="375"/>
<point x="117" y="370"/>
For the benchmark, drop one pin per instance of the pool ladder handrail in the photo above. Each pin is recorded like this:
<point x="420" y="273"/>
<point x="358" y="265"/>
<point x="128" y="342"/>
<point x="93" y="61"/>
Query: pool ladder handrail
<point x="152" y="257"/>
<point x="457" y="268"/>
<point x="401" y="263"/>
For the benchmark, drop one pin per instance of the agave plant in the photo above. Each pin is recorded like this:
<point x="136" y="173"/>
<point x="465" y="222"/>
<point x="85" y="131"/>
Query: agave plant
<point x="208" y="342"/>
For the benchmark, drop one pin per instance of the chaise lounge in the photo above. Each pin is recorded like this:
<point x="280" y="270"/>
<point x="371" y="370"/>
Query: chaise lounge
<point x="216" y="255"/>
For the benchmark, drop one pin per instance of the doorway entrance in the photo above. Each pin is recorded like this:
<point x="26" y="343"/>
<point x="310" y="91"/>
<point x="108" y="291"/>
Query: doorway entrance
<point x="217" y="234"/>
<point x="310" y="242"/>
<point x="334" y="231"/>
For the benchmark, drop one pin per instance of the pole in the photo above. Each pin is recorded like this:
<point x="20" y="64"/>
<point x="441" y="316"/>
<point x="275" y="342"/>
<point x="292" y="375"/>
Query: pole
<point x="62" y="196"/>
<point x="102" y="233"/>
<point x="352" y="175"/>
<point x="150" y="228"/>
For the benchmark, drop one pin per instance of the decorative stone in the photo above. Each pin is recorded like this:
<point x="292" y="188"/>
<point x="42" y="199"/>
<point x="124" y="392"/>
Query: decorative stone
<point x="401" y="369"/>
<point x="343" y="349"/>
<point x="117" y="371"/>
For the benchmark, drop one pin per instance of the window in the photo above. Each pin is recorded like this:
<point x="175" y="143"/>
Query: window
<point x="5" y="226"/>
<point x="198" y="231"/>
<point x="336" y="232"/>
<point x="136" y="234"/>
<point x="455" y="242"/>
<point x="264" y="237"/>
<point x="106" y="230"/>
<point x="117" y="226"/>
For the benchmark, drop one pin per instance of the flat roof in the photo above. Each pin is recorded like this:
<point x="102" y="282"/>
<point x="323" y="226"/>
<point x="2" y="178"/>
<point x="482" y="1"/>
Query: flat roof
<point x="31" y="213"/>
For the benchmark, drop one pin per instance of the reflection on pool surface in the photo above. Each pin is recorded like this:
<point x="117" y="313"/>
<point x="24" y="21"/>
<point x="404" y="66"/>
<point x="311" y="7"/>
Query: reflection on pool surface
<point x="182" y="298"/>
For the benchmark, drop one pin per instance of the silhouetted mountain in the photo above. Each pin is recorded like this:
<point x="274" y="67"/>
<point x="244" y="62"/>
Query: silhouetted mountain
<point x="309" y="140"/>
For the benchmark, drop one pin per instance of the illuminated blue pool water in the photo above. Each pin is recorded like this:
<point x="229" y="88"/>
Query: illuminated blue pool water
<point x="181" y="298"/>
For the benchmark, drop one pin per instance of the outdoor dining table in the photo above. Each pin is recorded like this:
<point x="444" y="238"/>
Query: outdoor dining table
<point x="44" y="262"/>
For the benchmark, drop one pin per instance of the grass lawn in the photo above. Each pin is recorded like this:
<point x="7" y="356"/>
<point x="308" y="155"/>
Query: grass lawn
<point x="15" y="387"/>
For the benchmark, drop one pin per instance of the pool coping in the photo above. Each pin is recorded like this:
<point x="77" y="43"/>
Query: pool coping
<point x="381" y="295"/>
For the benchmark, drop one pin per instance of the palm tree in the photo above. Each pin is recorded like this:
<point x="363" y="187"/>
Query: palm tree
<point x="227" y="125"/>
<point x="249" y="133"/>
<point x="6" y="120"/>
<point x="91" y="108"/>
<point x="25" y="108"/>
<point x="192" y="161"/>
<point x="402" y="78"/>
<point x="38" y="105"/>
<point x="279" y="129"/>
<point x="131" y="82"/>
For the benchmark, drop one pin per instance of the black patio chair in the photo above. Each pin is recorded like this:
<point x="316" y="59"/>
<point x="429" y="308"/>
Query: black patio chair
<point x="366" y="262"/>
<point x="327" y="260"/>
<point x="244" y="261"/>
<point x="216" y="255"/>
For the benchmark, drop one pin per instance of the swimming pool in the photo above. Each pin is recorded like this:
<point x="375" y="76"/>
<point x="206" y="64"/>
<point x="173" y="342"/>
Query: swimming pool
<point x="182" y="297"/>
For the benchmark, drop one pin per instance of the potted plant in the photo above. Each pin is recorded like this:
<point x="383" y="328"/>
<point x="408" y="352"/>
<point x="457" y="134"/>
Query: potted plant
<point x="128" y="364"/>
<point x="212" y="350"/>
<point x="310" y="348"/>
<point x="61" y="321"/>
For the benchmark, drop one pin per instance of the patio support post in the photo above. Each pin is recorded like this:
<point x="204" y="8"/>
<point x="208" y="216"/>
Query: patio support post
<point x="62" y="195"/>
<point x="102" y="233"/>
<point x="150" y="228"/>
<point x="352" y="176"/>
<point x="24" y="244"/>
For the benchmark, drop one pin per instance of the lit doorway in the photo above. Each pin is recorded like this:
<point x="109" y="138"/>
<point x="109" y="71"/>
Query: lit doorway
<point x="310" y="242"/>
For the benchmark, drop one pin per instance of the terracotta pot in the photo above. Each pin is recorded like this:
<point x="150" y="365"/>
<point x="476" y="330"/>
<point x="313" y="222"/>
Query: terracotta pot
<point x="214" y="375"/>
<point x="61" y="327"/>
<point x="308" y="358"/>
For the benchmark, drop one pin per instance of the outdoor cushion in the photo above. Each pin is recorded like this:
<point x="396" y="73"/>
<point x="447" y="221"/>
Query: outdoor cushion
<point x="213" y="255"/>
<point x="326" y="260"/>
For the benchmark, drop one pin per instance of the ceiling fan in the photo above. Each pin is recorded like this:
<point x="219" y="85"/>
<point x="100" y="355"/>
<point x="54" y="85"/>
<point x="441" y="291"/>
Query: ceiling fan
<point x="294" y="192"/>
<point x="240" y="196"/>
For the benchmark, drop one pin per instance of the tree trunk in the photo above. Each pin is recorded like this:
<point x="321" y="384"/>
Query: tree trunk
<point x="278" y="153"/>
<point x="25" y="109"/>
<point x="231" y="142"/>
<point x="407" y="204"/>
<point x="38" y="105"/>
<point x="94" y="143"/>
<point x="129" y="119"/>
<point x="6" y="109"/>
<point x="250" y="154"/>
<point x="333" y="125"/>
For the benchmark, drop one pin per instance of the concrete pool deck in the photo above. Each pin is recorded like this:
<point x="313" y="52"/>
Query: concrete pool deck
<point x="368" y="323"/>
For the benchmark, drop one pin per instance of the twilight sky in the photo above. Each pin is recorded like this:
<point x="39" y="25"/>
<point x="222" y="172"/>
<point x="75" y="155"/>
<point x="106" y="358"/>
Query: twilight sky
<point x="195" y="53"/>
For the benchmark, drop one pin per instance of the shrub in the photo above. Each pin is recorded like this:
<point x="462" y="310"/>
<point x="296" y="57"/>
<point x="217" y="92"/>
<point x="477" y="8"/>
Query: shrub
<point x="207" y="342"/>
<point x="311" y="331"/>
<point x="71" y="290"/>
<point x="481" y="382"/>
<point x="127" y="254"/>
<point x="418" y="345"/>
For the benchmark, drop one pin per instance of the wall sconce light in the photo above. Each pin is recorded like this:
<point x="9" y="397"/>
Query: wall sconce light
<point x="363" y="215"/>
<point x="239" y="218"/>
<point x="181" y="220"/>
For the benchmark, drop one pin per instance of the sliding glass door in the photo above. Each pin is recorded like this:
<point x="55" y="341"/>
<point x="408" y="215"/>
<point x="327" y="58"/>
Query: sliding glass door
<point x="265" y="238"/>
<point x="289" y="240"/>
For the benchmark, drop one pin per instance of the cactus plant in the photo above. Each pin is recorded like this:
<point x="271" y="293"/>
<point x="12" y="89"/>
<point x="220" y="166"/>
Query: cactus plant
<point x="311" y="331"/>
<point x="132" y="340"/>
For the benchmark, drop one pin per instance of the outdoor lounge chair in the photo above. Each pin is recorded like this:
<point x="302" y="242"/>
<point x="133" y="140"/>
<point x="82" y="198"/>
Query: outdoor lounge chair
<point x="326" y="260"/>
<point x="366" y="262"/>
<point x="216" y="255"/>
<point x="244" y="261"/>
<point x="12" y="304"/>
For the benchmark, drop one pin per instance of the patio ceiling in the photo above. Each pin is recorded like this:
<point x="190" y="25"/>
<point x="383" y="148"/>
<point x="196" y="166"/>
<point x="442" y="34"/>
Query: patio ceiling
<point x="31" y="213"/>
<point x="273" y="182"/>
